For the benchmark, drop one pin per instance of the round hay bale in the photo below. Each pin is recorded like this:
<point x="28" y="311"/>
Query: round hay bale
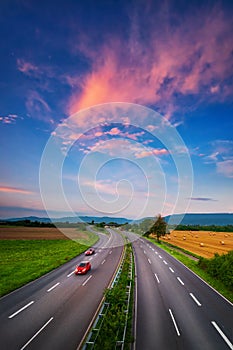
<point x="201" y="244"/>
<point x="222" y="242"/>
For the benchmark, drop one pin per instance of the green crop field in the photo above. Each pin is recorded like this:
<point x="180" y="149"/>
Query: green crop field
<point x="25" y="260"/>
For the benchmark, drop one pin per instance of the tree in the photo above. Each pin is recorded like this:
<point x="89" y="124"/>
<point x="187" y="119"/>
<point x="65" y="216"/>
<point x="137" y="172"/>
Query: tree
<point x="159" y="227"/>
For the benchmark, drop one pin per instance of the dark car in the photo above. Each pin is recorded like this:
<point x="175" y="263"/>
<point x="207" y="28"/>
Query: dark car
<point x="90" y="251"/>
<point x="82" y="268"/>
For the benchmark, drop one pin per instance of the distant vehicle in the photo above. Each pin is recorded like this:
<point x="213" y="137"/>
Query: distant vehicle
<point x="82" y="268"/>
<point x="90" y="251"/>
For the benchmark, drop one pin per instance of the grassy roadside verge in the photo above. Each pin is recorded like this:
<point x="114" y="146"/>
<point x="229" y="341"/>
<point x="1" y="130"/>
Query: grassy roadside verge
<point x="192" y="265"/>
<point x="25" y="260"/>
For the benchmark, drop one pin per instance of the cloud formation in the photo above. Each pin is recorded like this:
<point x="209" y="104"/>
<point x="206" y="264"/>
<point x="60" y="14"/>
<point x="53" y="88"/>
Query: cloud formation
<point x="222" y="156"/>
<point x="204" y="199"/>
<point x="9" y="119"/>
<point x="14" y="190"/>
<point x="156" y="66"/>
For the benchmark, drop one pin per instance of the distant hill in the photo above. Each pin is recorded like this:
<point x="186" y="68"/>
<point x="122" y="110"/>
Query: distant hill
<point x="73" y="219"/>
<point x="220" y="219"/>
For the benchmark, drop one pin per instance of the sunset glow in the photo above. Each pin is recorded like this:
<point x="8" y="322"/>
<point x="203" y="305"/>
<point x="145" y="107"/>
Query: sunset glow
<point x="119" y="93"/>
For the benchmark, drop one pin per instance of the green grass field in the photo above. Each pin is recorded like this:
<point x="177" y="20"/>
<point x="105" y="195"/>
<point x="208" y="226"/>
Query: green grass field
<point x="25" y="260"/>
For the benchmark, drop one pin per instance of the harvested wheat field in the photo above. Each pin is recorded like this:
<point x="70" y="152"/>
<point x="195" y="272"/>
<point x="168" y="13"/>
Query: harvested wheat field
<point x="203" y="243"/>
<point x="40" y="233"/>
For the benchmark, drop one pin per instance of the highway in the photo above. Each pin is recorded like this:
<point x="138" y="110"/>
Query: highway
<point x="174" y="309"/>
<point x="54" y="311"/>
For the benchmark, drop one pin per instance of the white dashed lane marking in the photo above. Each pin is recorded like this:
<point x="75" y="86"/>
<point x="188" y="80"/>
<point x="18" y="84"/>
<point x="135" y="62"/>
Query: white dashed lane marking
<point x="22" y="308"/>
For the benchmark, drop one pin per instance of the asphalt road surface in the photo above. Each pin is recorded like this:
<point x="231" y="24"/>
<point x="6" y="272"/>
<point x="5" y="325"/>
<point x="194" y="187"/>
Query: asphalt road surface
<point x="174" y="308"/>
<point x="55" y="311"/>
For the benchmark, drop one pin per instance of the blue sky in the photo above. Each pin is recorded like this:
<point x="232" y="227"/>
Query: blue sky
<point x="118" y="108"/>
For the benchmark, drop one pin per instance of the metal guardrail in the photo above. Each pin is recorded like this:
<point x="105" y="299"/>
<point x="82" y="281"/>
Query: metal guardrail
<point x="93" y="335"/>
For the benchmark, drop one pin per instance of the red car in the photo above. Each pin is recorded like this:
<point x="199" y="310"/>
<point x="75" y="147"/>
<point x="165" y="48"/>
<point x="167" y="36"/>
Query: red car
<point x="90" y="251"/>
<point x="82" y="268"/>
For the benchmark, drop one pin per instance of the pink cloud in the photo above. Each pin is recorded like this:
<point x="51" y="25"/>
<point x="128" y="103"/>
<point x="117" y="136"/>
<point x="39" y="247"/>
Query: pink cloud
<point x="114" y="131"/>
<point x="155" y="152"/>
<point x="185" y="59"/>
<point x="14" y="190"/>
<point x="9" y="119"/>
<point x="27" y="68"/>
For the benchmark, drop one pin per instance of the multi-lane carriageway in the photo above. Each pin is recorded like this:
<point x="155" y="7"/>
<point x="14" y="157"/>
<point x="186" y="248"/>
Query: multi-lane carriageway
<point x="174" y="309"/>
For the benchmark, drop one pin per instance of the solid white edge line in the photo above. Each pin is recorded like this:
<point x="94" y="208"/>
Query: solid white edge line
<point x="70" y="274"/>
<point x="195" y="299"/>
<point x="22" y="308"/>
<point x="174" y="322"/>
<point x="55" y="285"/>
<point x="149" y="261"/>
<point x="157" y="278"/>
<point x="201" y="279"/>
<point x="41" y="329"/>
<point x="135" y="301"/>
<point x="180" y="280"/>
<point x="222" y="334"/>
<point x="85" y="282"/>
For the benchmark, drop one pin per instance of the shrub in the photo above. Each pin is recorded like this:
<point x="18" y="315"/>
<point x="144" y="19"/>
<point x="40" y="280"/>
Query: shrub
<point x="219" y="267"/>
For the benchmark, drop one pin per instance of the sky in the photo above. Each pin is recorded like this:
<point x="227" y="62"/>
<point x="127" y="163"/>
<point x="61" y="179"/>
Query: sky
<point x="116" y="108"/>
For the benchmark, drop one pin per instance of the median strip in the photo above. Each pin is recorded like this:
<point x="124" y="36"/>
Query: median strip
<point x="113" y="326"/>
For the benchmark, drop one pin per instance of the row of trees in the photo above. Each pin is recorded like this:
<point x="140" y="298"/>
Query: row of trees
<point x="215" y="228"/>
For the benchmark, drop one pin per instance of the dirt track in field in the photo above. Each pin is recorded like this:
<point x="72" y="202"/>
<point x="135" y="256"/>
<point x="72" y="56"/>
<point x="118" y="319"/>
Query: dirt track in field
<point x="203" y="243"/>
<point x="39" y="233"/>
